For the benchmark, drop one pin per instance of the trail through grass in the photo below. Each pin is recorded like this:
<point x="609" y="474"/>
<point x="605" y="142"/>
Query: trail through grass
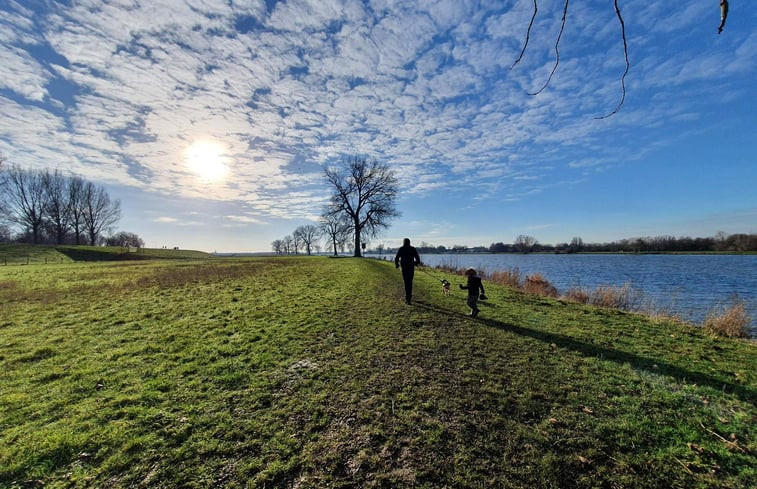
<point x="312" y="372"/>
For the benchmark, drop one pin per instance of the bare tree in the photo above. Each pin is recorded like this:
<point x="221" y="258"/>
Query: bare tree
<point x="125" y="239"/>
<point x="99" y="212"/>
<point x="76" y="203"/>
<point x="277" y="246"/>
<point x="288" y="243"/>
<point x="308" y="234"/>
<point x="58" y="210"/>
<point x="2" y="189"/>
<point x="296" y="242"/>
<point x="524" y="243"/>
<point x="364" y="191"/>
<point x="5" y="234"/>
<point x="576" y="244"/>
<point x="336" y="230"/>
<point x="25" y="199"/>
<point x="5" y="231"/>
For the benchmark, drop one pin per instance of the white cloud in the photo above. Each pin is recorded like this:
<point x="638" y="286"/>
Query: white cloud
<point x="243" y="219"/>
<point x="166" y="220"/>
<point x="424" y="86"/>
<point x="22" y="74"/>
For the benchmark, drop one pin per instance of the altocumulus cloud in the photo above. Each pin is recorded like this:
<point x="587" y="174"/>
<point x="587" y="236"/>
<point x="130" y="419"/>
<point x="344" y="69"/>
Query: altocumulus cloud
<point x="117" y="91"/>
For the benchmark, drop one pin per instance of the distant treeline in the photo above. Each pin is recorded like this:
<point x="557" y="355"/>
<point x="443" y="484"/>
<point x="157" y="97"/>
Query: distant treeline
<point x="734" y="243"/>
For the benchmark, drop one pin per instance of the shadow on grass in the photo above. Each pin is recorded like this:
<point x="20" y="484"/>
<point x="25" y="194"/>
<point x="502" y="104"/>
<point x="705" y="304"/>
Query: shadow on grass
<point x="652" y="365"/>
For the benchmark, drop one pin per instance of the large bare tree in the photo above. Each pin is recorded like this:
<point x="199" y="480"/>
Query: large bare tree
<point x="364" y="192"/>
<point x="99" y="212"/>
<point x="76" y="186"/>
<point x="58" y="210"/>
<point x="25" y="199"/>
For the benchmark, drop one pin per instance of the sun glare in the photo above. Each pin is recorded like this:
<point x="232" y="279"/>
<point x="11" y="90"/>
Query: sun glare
<point x="206" y="159"/>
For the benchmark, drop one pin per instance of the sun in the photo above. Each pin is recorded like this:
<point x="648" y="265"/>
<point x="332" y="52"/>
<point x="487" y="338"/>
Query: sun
<point x="206" y="159"/>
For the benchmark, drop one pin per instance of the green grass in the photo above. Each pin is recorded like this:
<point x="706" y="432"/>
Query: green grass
<point x="25" y="254"/>
<point x="311" y="372"/>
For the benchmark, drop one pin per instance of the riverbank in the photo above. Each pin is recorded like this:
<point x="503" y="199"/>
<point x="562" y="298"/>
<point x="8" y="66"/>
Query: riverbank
<point x="688" y="287"/>
<point x="312" y="372"/>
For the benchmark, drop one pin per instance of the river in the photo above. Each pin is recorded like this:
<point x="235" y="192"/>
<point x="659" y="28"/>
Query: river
<point x="689" y="285"/>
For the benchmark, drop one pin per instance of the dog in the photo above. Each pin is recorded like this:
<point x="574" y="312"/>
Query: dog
<point x="445" y="287"/>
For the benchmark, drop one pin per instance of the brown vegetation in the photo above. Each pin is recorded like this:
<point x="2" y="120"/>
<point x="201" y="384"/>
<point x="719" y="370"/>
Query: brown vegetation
<point x="624" y="297"/>
<point x="577" y="294"/>
<point x="538" y="285"/>
<point x="731" y="320"/>
<point x="509" y="278"/>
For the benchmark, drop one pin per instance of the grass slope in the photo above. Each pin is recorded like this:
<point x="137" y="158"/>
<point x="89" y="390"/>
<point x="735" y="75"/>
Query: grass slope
<point x="15" y="254"/>
<point x="312" y="372"/>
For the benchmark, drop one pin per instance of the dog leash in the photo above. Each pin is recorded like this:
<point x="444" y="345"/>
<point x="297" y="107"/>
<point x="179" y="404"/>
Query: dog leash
<point x="430" y="275"/>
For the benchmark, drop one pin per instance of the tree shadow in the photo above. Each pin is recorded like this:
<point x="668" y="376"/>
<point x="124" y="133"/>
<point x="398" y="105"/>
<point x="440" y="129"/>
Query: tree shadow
<point x="640" y="362"/>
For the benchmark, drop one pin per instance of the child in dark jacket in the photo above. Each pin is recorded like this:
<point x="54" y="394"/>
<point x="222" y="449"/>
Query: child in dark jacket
<point x="473" y="286"/>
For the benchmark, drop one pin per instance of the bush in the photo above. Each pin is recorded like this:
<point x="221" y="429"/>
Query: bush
<point x="577" y="294"/>
<point x="731" y="321"/>
<point x="537" y="284"/>
<point x="611" y="296"/>
<point x="509" y="278"/>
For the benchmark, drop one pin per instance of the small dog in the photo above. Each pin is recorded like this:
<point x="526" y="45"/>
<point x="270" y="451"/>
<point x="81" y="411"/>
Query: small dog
<point x="445" y="287"/>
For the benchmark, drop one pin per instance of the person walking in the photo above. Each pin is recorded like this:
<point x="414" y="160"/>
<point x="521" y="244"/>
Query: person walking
<point x="407" y="257"/>
<point x="473" y="286"/>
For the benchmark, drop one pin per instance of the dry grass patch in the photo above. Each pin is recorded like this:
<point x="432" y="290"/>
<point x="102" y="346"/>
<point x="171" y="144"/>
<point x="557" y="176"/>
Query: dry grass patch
<point x="577" y="294"/>
<point x="509" y="278"/>
<point x="731" y="320"/>
<point x="624" y="297"/>
<point x="538" y="285"/>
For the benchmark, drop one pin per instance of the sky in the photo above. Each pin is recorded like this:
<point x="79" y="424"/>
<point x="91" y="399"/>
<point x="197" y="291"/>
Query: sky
<point x="212" y="120"/>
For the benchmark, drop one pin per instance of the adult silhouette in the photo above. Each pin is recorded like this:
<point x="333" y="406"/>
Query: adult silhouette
<point x="407" y="257"/>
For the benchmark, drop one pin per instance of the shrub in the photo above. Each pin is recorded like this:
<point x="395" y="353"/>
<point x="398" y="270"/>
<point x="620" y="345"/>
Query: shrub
<point x="537" y="284"/>
<point x="611" y="296"/>
<point x="577" y="294"/>
<point x="731" y="320"/>
<point x="509" y="278"/>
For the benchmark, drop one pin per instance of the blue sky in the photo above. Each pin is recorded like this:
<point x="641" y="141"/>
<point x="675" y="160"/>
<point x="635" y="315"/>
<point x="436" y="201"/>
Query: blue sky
<point x="212" y="120"/>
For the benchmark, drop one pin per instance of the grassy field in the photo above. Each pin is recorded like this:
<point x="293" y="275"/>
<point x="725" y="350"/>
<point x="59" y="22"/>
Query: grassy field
<point x="312" y="372"/>
<point x="24" y="254"/>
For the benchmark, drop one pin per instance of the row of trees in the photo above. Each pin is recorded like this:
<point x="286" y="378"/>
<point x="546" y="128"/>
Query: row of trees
<point x="335" y="233"/>
<point x="47" y="206"/>
<point x="304" y="238"/>
<point x="721" y="242"/>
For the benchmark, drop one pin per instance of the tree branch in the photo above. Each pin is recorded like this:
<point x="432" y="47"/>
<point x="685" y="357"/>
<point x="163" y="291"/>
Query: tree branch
<point x="628" y="65"/>
<point x="528" y="36"/>
<point x="723" y="14"/>
<point x="557" y="51"/>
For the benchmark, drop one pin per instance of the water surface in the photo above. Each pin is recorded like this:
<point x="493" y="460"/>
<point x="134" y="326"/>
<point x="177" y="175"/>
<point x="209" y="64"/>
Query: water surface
<point x="688" y="285"/>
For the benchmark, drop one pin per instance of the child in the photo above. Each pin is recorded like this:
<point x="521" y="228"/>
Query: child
<point x="473" y="286"/>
